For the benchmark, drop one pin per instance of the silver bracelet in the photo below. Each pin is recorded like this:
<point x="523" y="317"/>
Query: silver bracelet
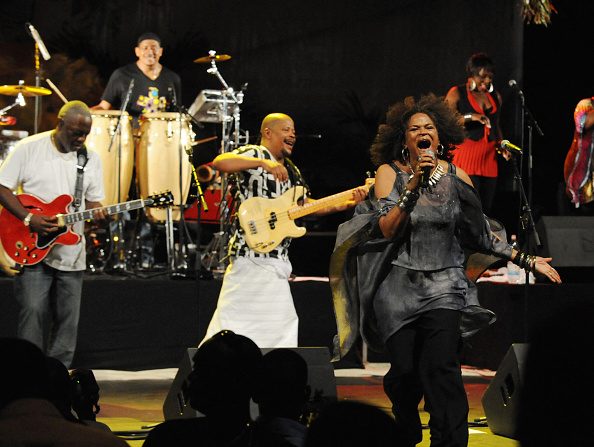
<point x="407" y="200"/>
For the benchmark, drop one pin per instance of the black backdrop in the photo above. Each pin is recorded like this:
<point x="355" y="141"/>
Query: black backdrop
<point x="334" y="66"/>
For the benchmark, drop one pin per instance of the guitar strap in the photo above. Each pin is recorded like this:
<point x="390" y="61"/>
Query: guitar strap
<point x="81" y="162"/>
<point x="295" y="174"/>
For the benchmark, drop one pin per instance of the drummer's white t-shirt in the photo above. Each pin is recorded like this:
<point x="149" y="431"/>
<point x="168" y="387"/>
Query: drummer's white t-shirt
<point x="40" y="169"/>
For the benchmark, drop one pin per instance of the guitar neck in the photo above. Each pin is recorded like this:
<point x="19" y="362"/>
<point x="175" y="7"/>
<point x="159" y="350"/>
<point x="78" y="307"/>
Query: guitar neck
<point x="72" y="218"/>
<point x="317" y="205"/>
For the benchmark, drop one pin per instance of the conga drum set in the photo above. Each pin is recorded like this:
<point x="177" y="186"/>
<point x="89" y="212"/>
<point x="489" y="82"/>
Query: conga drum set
<point x="155" y="152"/>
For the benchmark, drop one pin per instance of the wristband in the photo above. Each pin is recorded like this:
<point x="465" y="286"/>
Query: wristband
<point x="468" y="117"/>
<point x="27" y="219"/>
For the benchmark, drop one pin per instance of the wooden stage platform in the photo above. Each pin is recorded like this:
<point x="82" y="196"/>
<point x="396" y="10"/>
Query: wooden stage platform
<point x="136" y="324"/>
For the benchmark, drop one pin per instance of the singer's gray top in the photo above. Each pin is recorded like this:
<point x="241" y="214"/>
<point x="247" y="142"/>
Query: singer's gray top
<point x="423" y="269"/>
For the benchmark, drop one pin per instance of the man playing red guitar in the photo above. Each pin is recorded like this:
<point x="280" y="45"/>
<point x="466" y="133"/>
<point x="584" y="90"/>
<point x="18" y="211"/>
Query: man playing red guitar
<point x="45" y="165"/>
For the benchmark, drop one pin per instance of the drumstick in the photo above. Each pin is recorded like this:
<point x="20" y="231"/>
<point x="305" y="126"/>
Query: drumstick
<point x="57" y="90"/>
<point x="204" y="140"/>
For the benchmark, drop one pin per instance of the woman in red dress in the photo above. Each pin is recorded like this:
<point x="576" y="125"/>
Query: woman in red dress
<point x="480" y="105"/>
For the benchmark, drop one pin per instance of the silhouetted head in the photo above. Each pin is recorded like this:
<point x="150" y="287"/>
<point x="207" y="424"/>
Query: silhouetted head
<point x="224" y="373"/>
<point x="23" y="373"/>
<point x="283" y="388"/>
<point x="60" y="387"/>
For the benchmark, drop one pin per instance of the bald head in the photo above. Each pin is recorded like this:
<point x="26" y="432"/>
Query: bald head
<point x="72" y="108"/>
<point x="278" y="134"/>
<point x="74" y="124"/>
<point x="273" y="119"/>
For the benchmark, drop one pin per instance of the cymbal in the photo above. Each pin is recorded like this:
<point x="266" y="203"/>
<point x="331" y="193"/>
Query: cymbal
<point x="25" y="90"/>
<point x="216" y="58"/>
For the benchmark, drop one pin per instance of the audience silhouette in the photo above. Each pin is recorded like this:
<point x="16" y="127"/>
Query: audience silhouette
<point x="558" y="392"/>
<point x="281" y="397"/>
<point x="59" y="389"/>
<point x="353" y="424"/>
<point x="27" y="416"/>
<point x="221" y="385"/>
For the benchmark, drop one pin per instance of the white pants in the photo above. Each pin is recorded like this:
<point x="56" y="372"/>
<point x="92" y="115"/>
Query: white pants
<point x="256" y="301"/>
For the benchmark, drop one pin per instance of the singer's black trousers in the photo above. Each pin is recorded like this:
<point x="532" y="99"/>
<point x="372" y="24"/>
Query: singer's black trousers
<point x="424" y="360"/>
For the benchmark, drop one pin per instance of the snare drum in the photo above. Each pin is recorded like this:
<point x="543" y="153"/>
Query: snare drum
<point x="162" y="159"/>
<point x="100" y="140"/>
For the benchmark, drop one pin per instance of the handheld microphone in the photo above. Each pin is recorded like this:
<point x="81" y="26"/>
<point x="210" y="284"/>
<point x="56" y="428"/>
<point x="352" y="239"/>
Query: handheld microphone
<point x="505" y="144"/>
<point x="38" y="41"/>
<point x="424" y="145"/>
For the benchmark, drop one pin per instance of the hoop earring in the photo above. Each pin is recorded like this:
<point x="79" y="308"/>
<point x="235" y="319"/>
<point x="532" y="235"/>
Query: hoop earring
<point x="405" y="153"/>
<point x="440" y="150"/>
<point x="491" y="88"/>
<point x="472" y="85"/>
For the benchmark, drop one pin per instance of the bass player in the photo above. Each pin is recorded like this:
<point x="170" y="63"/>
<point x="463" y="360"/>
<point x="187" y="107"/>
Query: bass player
<point x="255" y="298"/>
<point x="46" y="165"/>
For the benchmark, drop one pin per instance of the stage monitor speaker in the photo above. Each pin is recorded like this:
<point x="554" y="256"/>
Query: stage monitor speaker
<point x="501" y="399"/>
<point x="569" y="240"/>
<point x="320" y="372"/>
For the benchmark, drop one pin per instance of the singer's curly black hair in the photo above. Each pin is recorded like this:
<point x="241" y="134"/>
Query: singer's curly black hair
<point x="389" y="141"/>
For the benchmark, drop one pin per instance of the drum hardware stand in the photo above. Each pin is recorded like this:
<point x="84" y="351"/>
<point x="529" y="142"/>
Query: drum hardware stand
<point x="177" y="256"/>
<point x="39" y="49"/>
<point x="117" y="237"/>
<point x="214" y="257"/>
<point x="18" y="101"/>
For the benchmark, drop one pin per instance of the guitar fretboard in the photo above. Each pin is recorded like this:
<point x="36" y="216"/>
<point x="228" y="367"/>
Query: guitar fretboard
<point x="111" y="209"/>
<point x="317" y="205"/>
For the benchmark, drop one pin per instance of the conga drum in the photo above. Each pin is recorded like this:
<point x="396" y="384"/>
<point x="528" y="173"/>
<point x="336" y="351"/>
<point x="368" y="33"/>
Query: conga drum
<point x="162" y="160"/>
<point x="116" y="152"/>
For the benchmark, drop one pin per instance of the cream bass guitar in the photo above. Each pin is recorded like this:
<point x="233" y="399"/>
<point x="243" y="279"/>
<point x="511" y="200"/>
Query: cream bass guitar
<point x="266" y="222"/>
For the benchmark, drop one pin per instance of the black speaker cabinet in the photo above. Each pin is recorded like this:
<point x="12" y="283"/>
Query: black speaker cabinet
<point x="320" y="371"/>
<point x="569" y="240"/>
<point x="501" y="399"/>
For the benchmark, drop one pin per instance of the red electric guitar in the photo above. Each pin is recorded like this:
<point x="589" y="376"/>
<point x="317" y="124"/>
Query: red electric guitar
<point x="26" y="247"/>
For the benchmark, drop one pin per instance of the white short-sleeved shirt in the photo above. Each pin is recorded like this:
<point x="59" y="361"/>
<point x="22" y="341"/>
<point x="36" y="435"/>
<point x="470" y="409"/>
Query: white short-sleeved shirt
<point x="40" y="169"/>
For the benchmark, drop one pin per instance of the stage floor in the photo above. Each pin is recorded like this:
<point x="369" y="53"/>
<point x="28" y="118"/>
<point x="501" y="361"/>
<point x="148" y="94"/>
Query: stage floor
<point x="131" y="402"/>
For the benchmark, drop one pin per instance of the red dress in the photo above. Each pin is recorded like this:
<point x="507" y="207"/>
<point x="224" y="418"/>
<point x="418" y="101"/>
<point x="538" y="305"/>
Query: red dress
<point x="477" y="154"/>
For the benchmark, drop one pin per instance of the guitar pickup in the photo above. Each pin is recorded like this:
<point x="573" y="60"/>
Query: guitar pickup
<point x="272" y="221"/>
<point x="252" y="227"/>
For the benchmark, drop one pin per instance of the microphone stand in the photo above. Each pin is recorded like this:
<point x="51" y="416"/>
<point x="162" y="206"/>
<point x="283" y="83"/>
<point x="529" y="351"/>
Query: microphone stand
<point x="37" y="84"/>
<point x="118" y="245"/>
<point x="526" y="216"/>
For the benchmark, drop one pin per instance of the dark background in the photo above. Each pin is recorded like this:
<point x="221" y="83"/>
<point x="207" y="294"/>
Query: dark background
<point x="334" y="66"/>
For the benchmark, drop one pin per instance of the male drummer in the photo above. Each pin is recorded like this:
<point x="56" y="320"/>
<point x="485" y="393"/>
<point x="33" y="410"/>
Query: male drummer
<point x="155" y="88"/>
